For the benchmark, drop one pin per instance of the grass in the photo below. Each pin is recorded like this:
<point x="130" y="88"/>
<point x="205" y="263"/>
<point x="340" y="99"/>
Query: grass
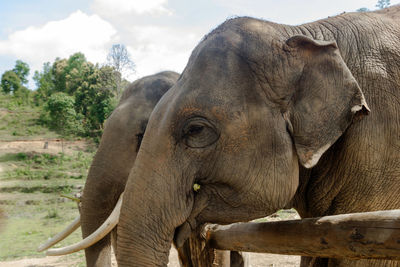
<point x="31" y="185"/>
<point x="35" y="166"/>
<point x="30" y="194"/>
<point x="21" y="121"/>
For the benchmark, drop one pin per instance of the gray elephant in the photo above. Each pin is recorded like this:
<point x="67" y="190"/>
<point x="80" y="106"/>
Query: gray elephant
<point x="117" y="151"/>
<point x="116" y="154"/>
<point x="267" y="116"/>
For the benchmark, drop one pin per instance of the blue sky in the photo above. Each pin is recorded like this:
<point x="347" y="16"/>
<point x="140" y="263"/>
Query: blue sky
<point x="159" y="34"/>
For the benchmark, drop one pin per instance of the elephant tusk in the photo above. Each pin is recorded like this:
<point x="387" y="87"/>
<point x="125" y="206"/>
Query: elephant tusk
<point x="101" y="232"/>
<point x="60" y="236"/>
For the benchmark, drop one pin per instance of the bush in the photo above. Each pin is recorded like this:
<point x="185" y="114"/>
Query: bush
<point x="62" y="115"/>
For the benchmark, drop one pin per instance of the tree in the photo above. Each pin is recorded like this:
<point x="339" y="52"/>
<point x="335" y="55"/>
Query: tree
<point x="363" y="9"/>
<point x="58" y="73"/>
<point x="119" y="58"/>
<point x="94" y="98"/>
<point x="22" y="70"/>
<point x="74" y="72"/>
<point x="62" y="113"/>
<point x="10" y="82"/>
<point x="44" y="83"/>
<point x="383" y="4"/>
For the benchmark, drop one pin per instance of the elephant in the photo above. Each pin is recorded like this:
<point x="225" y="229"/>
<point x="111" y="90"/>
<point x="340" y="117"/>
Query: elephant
<point x="115" y="156"/>
<point x="268" y="116"/>
<point x="110" y="167"/>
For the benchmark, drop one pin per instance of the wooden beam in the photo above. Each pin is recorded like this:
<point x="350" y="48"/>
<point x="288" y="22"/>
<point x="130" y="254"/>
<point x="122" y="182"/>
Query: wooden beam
<point x="369" y="235"/>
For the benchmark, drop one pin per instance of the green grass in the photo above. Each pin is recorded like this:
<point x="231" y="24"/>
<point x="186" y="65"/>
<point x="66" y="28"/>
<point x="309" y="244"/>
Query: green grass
<point x="31" y="223"/>
<point x="21" y="121"/>
<point x="30" y="195"/>
<point x="35" y="166"/>
<point x="31" y="185"/>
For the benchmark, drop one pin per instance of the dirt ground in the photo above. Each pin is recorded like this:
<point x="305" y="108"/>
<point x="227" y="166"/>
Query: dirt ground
<point x="42" y="146"/>
<point x="56" y="146"/>
<point x="256" y="260"/>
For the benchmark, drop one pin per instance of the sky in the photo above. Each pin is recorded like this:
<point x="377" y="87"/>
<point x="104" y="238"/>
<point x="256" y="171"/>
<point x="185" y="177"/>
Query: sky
<point x="159" y="34"/>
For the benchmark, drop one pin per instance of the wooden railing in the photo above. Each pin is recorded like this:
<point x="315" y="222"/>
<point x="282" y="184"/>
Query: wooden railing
<point x="368" y="235"/>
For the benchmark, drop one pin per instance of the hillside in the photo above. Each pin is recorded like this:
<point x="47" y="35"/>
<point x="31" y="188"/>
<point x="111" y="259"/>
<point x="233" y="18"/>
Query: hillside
<point x="36" y="168"/>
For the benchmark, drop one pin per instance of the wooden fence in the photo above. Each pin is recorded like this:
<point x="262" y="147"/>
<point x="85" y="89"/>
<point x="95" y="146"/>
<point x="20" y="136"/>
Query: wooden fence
<point x="368" y="235"/>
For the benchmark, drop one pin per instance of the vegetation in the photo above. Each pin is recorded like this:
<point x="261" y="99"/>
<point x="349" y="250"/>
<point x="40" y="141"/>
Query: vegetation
<point x="30" y="195"/>
<point x="31" y="183"/>
<point x="75" y="96"/>
<point x="380" y="4"/>
<point x="383" y="4"/>
<point x="19" y="121"/>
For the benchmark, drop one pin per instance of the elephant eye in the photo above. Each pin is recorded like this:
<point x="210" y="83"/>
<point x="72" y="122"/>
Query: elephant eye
<point x="199" y="133"/>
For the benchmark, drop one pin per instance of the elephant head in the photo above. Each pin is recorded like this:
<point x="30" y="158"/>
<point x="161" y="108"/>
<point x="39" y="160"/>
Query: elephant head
<point x="254" y="103"/>
<point x="115" y="156"/>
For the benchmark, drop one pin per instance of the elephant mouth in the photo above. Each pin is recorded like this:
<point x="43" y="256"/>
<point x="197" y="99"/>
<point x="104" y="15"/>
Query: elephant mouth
<point x="182" y="233"/>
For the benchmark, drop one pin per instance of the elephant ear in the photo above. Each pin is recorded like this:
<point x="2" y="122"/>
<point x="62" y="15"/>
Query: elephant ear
<point x="325" y="100"/>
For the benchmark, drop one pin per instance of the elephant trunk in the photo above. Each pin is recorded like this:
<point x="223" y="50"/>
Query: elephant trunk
<point x="100" y="195"/>
<point x="154" y="206"/>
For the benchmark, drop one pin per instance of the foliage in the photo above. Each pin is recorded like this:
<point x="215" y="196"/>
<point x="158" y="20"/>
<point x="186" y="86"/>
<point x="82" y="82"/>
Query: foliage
<point x="95" y="98"/>
<point x="19" y="119"/>
<point x="67" y="74"/>
<point x="75" y="95"/>
<point x="23" y="96"/>
<point x="382" y="4"/>
<point x="62" y="113"/>
<point x="22" y="70"/>
<point x="10" y="82"/>
<point x="92" y="87"/>
<point x="44" y="83"/>
<point x="58" y="73"/>
<point x="363" y="9"/>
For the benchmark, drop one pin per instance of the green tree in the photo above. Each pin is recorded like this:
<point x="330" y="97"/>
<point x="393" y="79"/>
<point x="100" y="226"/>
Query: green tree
<point x="44" y="84"/>
<point x="68" y="73"/>
<point x="382" y="4"/>
<point x="94" y="98"/>
<point x="10" y="82"/>
<point x="58" y="72"/>
<point x="22" y="70"/>
<point x="75" y="72"/>
<point x="63" y="117"/>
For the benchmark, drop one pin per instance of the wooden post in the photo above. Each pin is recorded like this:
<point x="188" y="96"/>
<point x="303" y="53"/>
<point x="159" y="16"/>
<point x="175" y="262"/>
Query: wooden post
<point x="369" y="235"/>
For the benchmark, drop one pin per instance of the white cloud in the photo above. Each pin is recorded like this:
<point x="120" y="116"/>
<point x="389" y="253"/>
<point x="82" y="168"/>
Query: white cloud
<point x="79" y="32"/>
<point x="156" y="48"/>
<point x="293" y="11"/>
<point x="117" y="7"/>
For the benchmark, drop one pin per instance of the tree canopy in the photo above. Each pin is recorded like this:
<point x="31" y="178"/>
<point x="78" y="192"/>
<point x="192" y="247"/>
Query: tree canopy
<point x="10" y="82"/>
<point x="77" y="96"/>
<point x="22" y="70"/>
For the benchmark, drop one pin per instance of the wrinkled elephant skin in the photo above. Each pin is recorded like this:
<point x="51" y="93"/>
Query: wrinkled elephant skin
<point x="267" y="116"/>
<point x="115" y="157"/>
